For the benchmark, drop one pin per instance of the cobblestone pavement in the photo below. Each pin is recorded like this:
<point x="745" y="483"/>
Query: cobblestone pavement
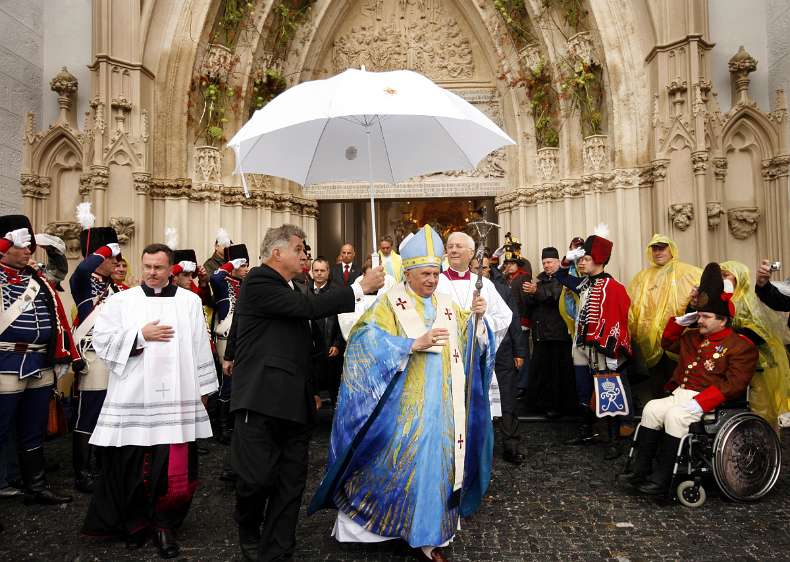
<point x="559" y="505"/>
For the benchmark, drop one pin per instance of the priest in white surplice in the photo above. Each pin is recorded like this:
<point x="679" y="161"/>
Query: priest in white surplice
<point x="154" y="342"/>
<point x="458" y="281"/>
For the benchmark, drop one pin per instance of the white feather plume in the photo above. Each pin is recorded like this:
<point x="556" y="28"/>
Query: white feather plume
<point x="171" y="238"/>
<point x="602" y="230"/>
<point x="84" y="215"/>
<point x="223" y="238"/>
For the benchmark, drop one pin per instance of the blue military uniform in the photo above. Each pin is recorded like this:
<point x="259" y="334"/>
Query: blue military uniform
<point x="225" y="289"/>
<point x="35" y="342"/>
<point x="89" y="290"/>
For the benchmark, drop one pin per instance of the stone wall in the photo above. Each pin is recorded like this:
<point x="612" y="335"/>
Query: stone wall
<point x="778" y="45"/>
<point x="21" y="65"/>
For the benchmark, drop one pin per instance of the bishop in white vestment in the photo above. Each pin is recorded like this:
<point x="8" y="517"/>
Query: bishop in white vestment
<point x="154" y="342"/>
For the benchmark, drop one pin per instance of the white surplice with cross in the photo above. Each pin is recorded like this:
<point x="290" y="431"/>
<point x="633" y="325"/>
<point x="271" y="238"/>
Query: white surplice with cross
<point x="153" y="398"/>
<point x="498" y="314"/>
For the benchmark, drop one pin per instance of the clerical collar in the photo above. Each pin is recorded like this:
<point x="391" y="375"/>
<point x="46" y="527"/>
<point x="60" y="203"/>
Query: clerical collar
<point x="167" y="291"/>
<point x="454" y="275"/>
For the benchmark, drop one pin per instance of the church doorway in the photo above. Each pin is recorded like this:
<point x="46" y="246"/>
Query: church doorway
<point x="349" y="221"/>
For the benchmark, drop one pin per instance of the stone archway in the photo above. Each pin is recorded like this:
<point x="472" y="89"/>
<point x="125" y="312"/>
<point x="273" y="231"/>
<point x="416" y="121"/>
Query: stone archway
<point x="654" y="67"/>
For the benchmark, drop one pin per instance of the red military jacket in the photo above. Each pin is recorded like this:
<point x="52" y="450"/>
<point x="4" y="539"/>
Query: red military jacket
<point x="718" y="366"/>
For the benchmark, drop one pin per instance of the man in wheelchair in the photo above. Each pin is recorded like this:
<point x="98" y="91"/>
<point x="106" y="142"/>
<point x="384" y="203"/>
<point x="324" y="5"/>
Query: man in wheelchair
<point x="715" y="365"/>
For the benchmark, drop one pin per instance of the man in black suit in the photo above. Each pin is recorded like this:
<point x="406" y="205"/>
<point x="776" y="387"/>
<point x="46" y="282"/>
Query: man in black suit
<point x="270" y="354"/>
<point x="345" y="272"/>
<point x="332" y="343"/>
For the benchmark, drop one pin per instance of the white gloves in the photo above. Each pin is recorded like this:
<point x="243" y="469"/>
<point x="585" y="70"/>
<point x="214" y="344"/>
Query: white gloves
<point x="687" y="319"/>
<point x="20" y="237"/>
<point x="692" y="406"/>
<point x="115" y="248"/>
<point x="238" y="262"/>
<point x="611" y="363"/>
<point x="48" y="240"/>
<point x="187" y="266"/>
<point x="574" y="255"/>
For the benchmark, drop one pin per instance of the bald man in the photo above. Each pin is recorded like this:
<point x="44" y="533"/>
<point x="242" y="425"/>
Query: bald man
<point x="345" y="272"/>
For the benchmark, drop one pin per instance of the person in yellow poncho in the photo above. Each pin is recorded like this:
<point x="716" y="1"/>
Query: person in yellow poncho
<point x="389" y="258"/>
<point x="659" y="292"/>
<point x="770" y="388"/>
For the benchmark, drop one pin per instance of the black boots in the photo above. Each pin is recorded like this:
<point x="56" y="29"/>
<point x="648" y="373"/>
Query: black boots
<point x="166" y="543"/>
<point x="225" y="422"/>
<point x="585" y="434"/>
<point x="645" y="448"/>
<point x="31" y="465"/>
<point x="81" y="457"/>
<point x="659" y="481"/>
<point x="510" y="439"/>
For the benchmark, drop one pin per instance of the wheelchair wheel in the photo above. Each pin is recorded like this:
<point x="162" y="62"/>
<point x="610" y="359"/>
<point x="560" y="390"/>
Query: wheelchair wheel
<point x="747" y="457"/>
<point x="691" y="494"/>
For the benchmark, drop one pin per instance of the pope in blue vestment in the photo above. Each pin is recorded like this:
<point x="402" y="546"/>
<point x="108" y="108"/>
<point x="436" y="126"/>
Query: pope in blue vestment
<point x="412" y="440"/>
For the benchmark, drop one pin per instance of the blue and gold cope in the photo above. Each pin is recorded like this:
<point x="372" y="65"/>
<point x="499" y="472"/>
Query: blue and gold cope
<point x="391" y="458"/>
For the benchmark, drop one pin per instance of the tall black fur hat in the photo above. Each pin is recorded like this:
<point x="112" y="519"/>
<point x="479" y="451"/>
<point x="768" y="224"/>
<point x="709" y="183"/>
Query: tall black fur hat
<point x="237" y="251"/>
<point x="711" y="296"/>
<point x="15" y="222"/>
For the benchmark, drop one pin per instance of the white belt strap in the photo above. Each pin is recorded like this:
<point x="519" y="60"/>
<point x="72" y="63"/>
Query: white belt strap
<point x="86" y="325"/>
<point x="24" y="300"/>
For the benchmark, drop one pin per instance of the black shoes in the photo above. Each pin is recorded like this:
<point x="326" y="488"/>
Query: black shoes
<point x="513" y="457"/>
<point x="84" y="482"/>
<point x="166" y="543"/>
<point x="137" y="540"/>
<point x="650" y="488"/>
<point x="249" y="540"/>
<point x="630" y="478"/>
<point x="584" y="436"/>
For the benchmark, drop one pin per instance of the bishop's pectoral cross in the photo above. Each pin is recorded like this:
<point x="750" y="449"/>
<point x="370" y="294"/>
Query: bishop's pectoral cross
<point x="401" y="303"/>
<point x="460" y="441"/>
<point x="162" y="390"/>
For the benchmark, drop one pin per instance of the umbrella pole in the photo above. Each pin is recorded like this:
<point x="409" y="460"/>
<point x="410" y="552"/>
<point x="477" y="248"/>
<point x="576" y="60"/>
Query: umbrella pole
<point x="374" y="256"/>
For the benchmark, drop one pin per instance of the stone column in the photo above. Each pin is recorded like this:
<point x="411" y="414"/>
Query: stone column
<point x="142" y="185"/>
<point x="100" y="181"/>
<point x="660" y="198"/>
<point x="699" y="160"/>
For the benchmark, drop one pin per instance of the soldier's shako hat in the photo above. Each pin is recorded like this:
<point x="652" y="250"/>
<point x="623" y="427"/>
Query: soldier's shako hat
<point x="15" y="222"/>
<point x="598" y="246"/>
<point x="711" y="295"/>
<point x="185" y="255"/>
<point x="236" y="251"/>
<point x="91" y="239"/>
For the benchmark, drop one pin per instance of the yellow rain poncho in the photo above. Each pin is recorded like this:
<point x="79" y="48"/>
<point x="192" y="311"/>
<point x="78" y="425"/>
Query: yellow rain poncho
<point x="657" y="293"/>
<point x="770" y="389"/>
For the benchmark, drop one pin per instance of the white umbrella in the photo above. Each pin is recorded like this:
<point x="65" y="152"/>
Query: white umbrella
<point x="364" y="126"/>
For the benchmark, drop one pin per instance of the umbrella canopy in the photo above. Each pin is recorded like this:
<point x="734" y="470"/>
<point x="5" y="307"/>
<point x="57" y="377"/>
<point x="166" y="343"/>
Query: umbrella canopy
<point x="365" y="126"/>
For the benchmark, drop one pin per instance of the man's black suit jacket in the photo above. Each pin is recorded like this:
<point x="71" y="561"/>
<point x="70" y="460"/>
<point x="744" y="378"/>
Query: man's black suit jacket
<point x="328" y="326"/>
<point x="271" y="345"/>
<point x="336" y="274"/>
